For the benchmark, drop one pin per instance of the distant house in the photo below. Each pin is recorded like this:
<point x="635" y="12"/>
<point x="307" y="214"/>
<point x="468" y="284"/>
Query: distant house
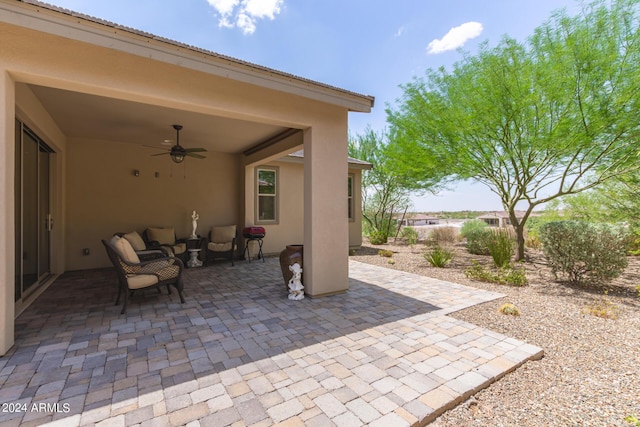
<point x="412" y="219"/>
<point x="499" y="219"/>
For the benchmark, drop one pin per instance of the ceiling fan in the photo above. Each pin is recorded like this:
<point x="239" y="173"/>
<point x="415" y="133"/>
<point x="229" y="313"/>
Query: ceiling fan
<point x="178" y="152"/>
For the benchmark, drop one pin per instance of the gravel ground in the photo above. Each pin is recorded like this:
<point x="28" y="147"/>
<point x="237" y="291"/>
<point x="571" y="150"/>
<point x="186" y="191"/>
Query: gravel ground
<point x="590" y="374"/>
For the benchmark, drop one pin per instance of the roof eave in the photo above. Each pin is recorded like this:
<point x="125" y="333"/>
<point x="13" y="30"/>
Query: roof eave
<point x="66" y="23"/>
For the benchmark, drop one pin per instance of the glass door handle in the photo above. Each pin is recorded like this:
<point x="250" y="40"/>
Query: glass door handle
<point x="49" y="222"/>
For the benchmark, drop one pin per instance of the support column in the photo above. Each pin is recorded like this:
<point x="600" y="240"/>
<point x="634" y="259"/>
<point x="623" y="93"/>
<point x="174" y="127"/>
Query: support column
<point x="326" y="228"/>
<point x="7" y="203"/>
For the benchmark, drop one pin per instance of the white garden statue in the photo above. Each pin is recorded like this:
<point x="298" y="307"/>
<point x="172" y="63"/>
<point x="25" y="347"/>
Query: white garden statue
<point x="296" y="290"/>
<point x="194" y="222"/>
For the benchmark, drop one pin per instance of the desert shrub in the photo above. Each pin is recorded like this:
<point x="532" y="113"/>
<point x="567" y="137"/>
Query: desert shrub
<point x="584" y="252"/>
<point x="501" y="247"/>
<point x="633" y="420"/>
<point x="410" y="235"/>
<point x="477" y="241"/>
<point x="378" y="238"/>
<point x="532" y="241"/>
<point x="501" y="276"/>
<point x="510" y="309"/>
<point x="385" y="253"/>
<point x="633" y="244"/>
<point x="472" y="226"/>
<point x="439" y="257"/>
<point x="442" y="236"/>
<point x="602" y="307"/>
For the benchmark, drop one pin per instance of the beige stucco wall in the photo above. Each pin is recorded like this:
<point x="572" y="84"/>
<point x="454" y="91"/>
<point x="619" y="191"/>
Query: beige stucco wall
<point x="105" y="197"/>
<point x="290" y="227"/>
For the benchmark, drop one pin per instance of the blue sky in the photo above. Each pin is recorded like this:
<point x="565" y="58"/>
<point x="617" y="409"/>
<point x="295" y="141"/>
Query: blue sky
<point x="366" y="46"/>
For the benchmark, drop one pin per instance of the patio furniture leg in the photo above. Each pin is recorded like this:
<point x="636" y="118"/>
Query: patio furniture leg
<point x="168" y="289"/>
<point x="180" y="293"/>
<point x="119" y="292"/>
<point x="126" y="300"/>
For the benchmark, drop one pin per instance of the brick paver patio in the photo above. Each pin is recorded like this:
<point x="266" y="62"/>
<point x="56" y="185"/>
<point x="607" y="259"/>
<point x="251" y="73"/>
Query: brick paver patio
<point x="238" y="352"/>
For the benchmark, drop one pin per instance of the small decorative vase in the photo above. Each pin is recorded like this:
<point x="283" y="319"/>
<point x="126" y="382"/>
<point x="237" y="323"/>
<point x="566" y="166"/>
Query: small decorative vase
<point x="289" y="256"/>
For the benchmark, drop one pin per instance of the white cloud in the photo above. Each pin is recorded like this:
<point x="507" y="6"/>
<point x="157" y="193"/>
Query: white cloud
<point x="245" y="13"/>
<point x="246" y="23"/>
<point x="262" y="8"/>
<point x="400" y="32"/>
<point x="456" y="37"/>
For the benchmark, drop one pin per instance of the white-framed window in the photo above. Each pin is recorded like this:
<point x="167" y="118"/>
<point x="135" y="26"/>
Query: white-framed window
<point x="350" y="196"/>
<point x="266" y="195"/>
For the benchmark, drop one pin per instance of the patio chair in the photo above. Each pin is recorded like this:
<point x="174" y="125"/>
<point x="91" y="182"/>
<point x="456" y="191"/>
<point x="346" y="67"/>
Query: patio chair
<point x="144" y="252"/>
<point x="135" y="275"/>
<point x="166" y="237"/>
<point x="223" y="243"/>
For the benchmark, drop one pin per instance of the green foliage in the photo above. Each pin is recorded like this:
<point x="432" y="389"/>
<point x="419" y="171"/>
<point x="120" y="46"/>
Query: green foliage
<point x="501" y="247"/>
<point x="378" y="238"/>
<point x="472" y="226"/>
<point x="509" y="309"/>
<point x="385" y="253"/>
<point x="410" y="235"/>
<point x="632" y="419"/>
<point x="383" y="195"/>
<point x="440" y="236"/>
<point x="533" y="121"/>
<point x="501" y="276"/>
<point x="585" y="252"/>
<point x="439" y="256"/>
<point x="477" y="241"/>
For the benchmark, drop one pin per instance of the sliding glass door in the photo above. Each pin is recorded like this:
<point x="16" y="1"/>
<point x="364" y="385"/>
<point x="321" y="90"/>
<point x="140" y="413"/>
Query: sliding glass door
<point x="33" y="215"/>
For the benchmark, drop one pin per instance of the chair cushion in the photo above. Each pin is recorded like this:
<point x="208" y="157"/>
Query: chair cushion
<point x="164" y="236"/>
<point x="223" y="234"/>
<point x="180" y="248"/>
<point x="136" y="241"/>
<point x="220" y="247"/>
<point x="124" y="250"/>
<point x="139" y="281"/>
<point x="168" y="272"/>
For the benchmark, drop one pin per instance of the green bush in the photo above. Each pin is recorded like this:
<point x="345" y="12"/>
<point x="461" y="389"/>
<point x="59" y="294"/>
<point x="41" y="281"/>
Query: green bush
<point x="385" y="253"/>
<point x="410" y="235"/>
<point x="442" y="236"/>
<point x="378" y="238"/>
<point x="472" y="226"/>
<point x="477" y="241"/>
<point x="439" y="257"/>
<point x="501" y="247"/>
<point x="502" y="276"/>
<point x="585" y="252"/>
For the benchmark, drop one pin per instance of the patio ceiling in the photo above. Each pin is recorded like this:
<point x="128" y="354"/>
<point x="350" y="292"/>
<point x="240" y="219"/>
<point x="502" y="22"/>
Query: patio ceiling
<point x="86" y="116"/>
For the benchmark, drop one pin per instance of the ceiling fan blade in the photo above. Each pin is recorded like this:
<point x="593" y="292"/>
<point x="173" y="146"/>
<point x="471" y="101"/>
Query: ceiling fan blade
<point x="157" y="148"/>
<point x="197" y="156"/>
<point x="161" y="154"/>
<point x="194" y="150"/>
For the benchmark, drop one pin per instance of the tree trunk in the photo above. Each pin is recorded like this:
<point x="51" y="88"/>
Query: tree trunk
<point x="518" y="226"/>
<point x="520" y="241"/>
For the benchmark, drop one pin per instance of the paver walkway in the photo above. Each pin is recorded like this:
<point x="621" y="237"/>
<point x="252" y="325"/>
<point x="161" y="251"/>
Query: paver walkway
<point x="238" y="352"/>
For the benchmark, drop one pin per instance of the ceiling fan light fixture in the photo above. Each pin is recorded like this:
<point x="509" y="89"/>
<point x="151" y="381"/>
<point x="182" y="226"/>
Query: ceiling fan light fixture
<point x="177" y="157"/>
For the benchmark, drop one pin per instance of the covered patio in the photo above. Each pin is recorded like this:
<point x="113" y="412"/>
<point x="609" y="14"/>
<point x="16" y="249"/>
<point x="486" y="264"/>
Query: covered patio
<point x="238" y="351"/>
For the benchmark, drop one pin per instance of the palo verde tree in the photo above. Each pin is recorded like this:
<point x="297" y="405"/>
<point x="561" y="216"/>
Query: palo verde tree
<point x="383" y="196"/>
<point x="533" y="121"/>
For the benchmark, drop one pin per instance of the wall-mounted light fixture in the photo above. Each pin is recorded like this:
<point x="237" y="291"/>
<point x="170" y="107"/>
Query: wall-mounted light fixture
<point x="136" y="172"/>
